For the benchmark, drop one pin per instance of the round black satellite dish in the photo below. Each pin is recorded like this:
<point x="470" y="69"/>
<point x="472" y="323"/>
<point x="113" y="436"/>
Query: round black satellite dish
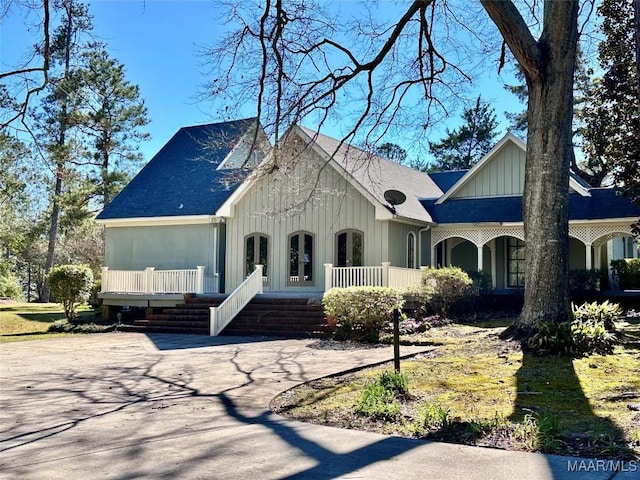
<point x="395" y="197"/>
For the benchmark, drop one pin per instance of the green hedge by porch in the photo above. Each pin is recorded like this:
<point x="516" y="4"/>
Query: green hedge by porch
<point x="627" y="273"/>
<point x="361" y="312"/>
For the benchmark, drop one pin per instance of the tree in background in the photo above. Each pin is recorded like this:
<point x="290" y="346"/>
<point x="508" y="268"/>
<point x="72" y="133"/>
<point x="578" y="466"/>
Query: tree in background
<point x="58" y="116"/>
<point x="112" y="118"/>
<point x="612" y="130"/>
<point x="592" y="170"/>
<point x="462" y="147"/>
<point x="393" y="152"/>
<point x="85" y="127"/>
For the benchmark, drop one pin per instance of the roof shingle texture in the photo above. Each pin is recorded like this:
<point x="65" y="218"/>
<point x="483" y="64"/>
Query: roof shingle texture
<point x="376" y="175"/>
<point x="181" y="179"/>
<point x="602" y="204"/>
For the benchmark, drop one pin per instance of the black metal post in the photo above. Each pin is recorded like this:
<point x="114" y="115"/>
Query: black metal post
<point x="396" y="340"/>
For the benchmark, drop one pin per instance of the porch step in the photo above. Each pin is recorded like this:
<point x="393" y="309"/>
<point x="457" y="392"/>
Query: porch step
<point x="288" y="317"/>
<point x="281" y="317"/>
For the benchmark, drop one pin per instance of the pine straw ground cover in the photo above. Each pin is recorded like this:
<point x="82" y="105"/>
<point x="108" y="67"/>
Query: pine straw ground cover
<point x="474" y="388"/>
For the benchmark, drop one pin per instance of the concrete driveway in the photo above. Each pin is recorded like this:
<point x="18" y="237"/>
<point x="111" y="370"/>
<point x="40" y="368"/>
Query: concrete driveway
<point x="129" y="406"/>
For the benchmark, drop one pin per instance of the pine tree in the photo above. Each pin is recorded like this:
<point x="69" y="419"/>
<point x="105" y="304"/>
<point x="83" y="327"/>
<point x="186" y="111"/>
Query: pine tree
<point x="612" y="132"/>
<point x="113" y="116"/>
<point x="461" y="148"/>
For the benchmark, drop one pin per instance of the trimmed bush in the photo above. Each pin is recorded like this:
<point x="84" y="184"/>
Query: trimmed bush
<point x="445" y="287"/>
<point x="71" y="285"/>
<point x="361" y="312"/>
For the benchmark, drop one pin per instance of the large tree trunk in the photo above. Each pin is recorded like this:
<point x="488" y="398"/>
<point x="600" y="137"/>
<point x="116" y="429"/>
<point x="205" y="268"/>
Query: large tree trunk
<point x="548" y="65"/>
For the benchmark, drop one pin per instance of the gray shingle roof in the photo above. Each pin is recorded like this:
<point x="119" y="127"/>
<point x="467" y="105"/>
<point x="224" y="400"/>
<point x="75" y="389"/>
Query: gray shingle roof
<point x="603" y="203"/>
<point x="181" y="179"/>
<point x="377" y="175"/>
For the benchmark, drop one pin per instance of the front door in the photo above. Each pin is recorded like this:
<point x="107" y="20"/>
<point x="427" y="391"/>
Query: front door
<point x="301" y="259"/>
<point x="349" y="248"/>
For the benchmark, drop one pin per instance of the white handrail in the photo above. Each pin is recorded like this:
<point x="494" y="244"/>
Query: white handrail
<point x="222" y="315"/>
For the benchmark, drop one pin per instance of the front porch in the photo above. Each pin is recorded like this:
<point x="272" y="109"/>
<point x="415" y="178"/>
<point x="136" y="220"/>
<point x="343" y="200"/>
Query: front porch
<point x="499" y="249"/>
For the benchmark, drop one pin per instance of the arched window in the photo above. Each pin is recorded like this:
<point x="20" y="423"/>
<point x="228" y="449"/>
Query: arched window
<point x="349" y="248"/>
<point x="256" y="252"/>
<point x="301" y="259"/>
<point x="411" y="250"/>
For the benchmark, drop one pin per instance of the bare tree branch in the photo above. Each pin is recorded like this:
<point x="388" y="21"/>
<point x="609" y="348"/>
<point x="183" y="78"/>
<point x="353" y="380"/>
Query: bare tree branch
<point x="44" y="70"/>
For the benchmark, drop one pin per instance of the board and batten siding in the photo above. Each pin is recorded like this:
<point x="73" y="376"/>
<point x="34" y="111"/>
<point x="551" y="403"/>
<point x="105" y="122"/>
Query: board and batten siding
<point x="503" y="174"/>
<point x="307" y="196"/>
<point x="164" y="247"/>
<point x="398" y="233"/>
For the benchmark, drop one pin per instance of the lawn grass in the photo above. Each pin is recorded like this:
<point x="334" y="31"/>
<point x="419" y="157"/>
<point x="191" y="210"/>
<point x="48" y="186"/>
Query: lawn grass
<point x="30" y="321"/>
<point x="493" y="394"/>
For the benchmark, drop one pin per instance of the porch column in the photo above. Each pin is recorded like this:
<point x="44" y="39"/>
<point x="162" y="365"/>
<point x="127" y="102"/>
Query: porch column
<point x="216" y="270"/>
<point x="328" y="274"/>
<point x="480" y="259"/>
<point x="588" y="264"/>
<point x="447" y="259"/>
<point x="598" y="257"/>
<point x="434" y="255"/>
<point x="492" y="248"/>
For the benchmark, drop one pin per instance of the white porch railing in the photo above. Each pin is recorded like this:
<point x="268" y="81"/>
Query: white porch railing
<point x="151" y="280"/>
<point x="402" y="278"/>
<point x="382" y="276"/>
<point x="236" y="301"/>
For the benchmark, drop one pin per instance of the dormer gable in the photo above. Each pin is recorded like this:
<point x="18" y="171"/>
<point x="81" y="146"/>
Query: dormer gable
<point x="499" y="173"/>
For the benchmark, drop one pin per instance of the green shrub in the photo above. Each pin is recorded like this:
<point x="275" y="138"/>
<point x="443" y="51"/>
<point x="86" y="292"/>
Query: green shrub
<point x="71" y="285"/>
<point x="481" y="282"/>
<point x="626" y="273"/>
<point x="445" y="287"/>
<point x="539" y="432"/>
<point x="378" y="399"/>
<point x="591" y="336"/>
<point x="94" y="301"/>
<point x="64" y="326"/>
<point x="591" y="331"/>
<point x="9" y="285"/>
<point x="552" y="338"/>
<point x="582" y="280"/>
<point x="395" y="382"/>
<point x="377" y="402"/>
<point x="431" y="416"/>
<point x="607" y="313"/>
<point x="361" y="312"/>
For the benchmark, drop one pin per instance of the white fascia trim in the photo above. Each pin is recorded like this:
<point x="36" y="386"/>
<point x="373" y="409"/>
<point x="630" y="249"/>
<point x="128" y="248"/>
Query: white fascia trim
<point x="573" y="183"/>
<point x="160" y="221"/>
<point x="509" y="137"/>
<point x="627" y="220"/>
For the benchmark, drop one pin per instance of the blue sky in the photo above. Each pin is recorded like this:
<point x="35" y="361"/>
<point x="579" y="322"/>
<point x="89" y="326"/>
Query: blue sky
<point x="158" y="42"/>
